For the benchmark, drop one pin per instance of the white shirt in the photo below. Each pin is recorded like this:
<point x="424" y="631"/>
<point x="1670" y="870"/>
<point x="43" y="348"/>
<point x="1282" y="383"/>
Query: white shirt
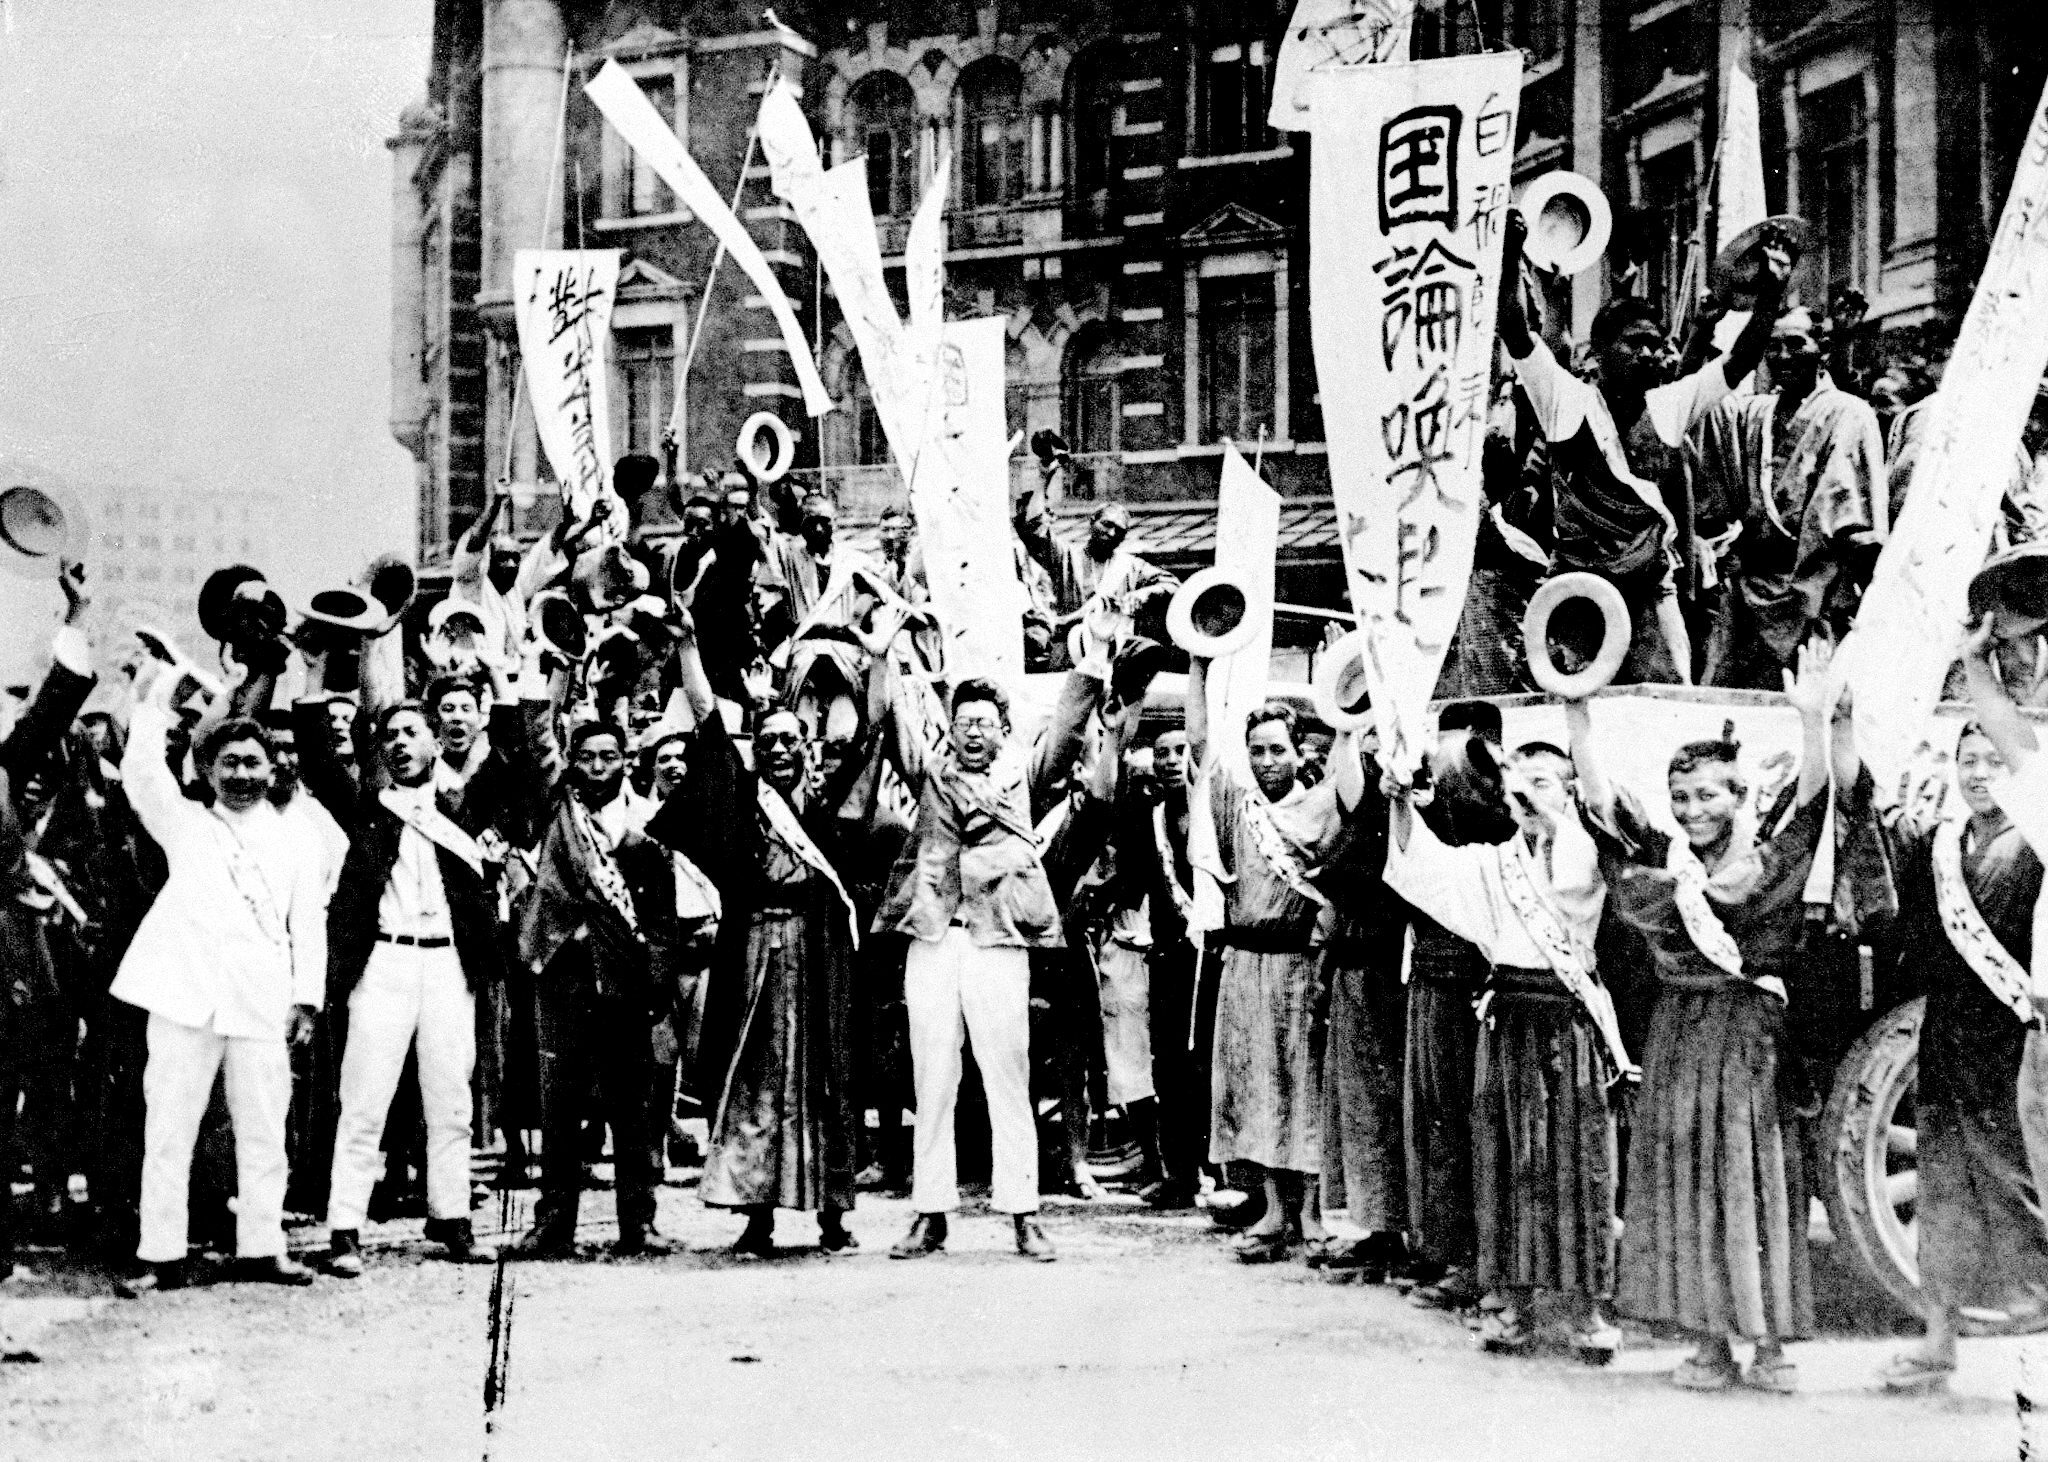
<point x="1463" y="890"/>
<point x="414" y="903"/>
<point x="220" y="951"/>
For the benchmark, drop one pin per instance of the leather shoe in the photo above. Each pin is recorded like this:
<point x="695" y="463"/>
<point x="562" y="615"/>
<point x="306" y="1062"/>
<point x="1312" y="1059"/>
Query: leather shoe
<point x="344" y="1255"/>
<point x="757" y="1239"/>
<point x="927" y="1236"/>
<point x="1167" y="1196"/>
<point x="280" y="1269"/>
<point x="1031" y="1240"/>
<point x="640" y="1239"/>
<point x="156" y="1278"/>
<point x="459" y="1243"/>
<point x="833" y="1236"/>
<point x="543" y="1242"/>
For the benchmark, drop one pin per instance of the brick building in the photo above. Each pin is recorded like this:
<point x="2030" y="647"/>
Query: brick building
<point x="1118" y="197"/>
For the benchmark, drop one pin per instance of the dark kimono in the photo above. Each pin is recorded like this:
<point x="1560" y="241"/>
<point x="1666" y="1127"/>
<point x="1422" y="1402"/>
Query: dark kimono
<point x="1981" y="1241"/>
<point x="783" y="1135"/>
<point x="1716" y="1199"/>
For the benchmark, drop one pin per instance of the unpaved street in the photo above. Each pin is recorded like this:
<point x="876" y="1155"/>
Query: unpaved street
<point x="1146" y="1340"/>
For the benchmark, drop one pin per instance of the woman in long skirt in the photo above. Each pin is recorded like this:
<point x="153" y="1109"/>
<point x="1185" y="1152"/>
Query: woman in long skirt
<point x="1715" y="1240"/>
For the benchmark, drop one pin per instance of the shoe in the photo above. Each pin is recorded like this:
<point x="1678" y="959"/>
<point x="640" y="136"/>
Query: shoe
<point x="1262" y="1248"/>
<point x="1695" y="1374"/>
<point x="459" y="1243"/>
<point x="1778" y="1376"/>
<point x="927" y="1236"/>
<point x="544" y="1242"/>
<point x="1167" y="1197"/>
<point x="1597" y="1345"/>
<point x="155" y="1279"/>
<point x="344" y="1255"/>
<point x="1031" y="1240"/>
<point x="1505" y="1334"/>
<point x="757" y="1239"/>
<point x="1245" y="1211"/>
<point x="280" y="1269"/>
<point x="871" y="1178"/>
<point x="639" y="1239"/>
<point x="1907" y="1374"/>
<point x="833" y="1237"/>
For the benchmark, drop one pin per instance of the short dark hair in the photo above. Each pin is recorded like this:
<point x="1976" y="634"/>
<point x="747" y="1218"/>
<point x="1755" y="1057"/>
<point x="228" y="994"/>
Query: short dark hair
<point x="1695" y="755"/>
<point x="590" y="731"/>
<point x="390" y="713"/>
<point x="446" y="685"/>
<point x="699" y="500"/>
<point x="1482" y="717"/>
<point x="226" y="734"/>
<point x="1270" y="712"/>
<point x="1542" y="748"/>
<point x="1618" y="314"/>
<point x="980" y="688"/>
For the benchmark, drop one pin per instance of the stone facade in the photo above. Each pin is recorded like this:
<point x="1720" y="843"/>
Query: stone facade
<point x="1117" y="197"/>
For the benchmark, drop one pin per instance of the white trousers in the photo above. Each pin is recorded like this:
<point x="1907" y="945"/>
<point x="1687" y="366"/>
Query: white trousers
<point x="954" y="989"/>
<point x="407" y="998"/>
<point x="177" y="1083"/>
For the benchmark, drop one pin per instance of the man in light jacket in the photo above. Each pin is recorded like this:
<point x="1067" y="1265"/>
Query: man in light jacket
<point x="230" y="962"/>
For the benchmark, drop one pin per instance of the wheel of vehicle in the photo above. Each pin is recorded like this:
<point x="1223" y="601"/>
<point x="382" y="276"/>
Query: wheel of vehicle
<point x="1871" y="1187"/>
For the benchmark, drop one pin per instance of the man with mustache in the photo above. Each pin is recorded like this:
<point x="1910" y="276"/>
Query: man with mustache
<point x="231" y="964"/>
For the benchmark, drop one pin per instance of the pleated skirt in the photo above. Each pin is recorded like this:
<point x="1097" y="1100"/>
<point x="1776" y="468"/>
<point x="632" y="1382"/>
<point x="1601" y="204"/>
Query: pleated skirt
<point x="1363" y="1169"/>
<point x="1543" y="1154"/>
<point x="1717" y="1201"/>
<point x="1266" y="1082"/>
<point x="1442" y="1043"/>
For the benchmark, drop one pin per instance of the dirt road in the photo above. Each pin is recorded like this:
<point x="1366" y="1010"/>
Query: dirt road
<point x="1144" y="1341"/>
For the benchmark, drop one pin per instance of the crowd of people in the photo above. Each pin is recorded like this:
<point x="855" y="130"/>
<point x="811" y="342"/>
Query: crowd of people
<point x="639" y="824"/>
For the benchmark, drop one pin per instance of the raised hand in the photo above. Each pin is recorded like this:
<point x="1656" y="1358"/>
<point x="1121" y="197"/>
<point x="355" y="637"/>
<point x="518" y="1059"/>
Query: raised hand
<point x="1812" y="688"/>
<point x="71" y="579"/>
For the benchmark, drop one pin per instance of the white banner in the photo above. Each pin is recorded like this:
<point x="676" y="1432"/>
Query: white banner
<point x="562" y="304"/>
<point x="1739" y="199"/>
<point x="1334" y="33"/>
<point x="1247" y="545"/>
<point x="634" y="117"/>
<point x="1908" y="627"/>
<point x="1408" y="189"/>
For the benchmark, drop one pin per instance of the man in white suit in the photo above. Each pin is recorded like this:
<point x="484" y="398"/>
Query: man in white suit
<point x="230" y="962"/>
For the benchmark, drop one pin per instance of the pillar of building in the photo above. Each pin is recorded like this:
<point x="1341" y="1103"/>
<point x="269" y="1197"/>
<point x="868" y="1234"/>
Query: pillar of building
<point x="525" y="46"/>
<point x="408" y="318"/>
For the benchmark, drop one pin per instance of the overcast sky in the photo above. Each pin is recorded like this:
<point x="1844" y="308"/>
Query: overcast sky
<point x="195" y="228"/>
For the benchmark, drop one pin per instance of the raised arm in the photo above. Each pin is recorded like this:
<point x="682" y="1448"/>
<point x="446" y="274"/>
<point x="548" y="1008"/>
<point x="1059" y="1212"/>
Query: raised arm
<point x="1347" y="770"/>
<point x="1595" y="792"/>
<point x="1195" y="714"/>
<point x="1773" y="270"/>
<point x="152" y="791"/>
<point x="466" y="559"/>
<point x="1511" y="322"/>
<point x="1997" y="712"/>
<point x="1814" y="693"/>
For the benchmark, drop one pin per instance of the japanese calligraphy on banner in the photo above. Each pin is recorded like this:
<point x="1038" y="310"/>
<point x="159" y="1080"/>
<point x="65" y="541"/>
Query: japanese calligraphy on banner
<point x="1408" y="189"/>
<point x="633" y="116"/>
<point x="562" y="305"/>
<point x="1330" y="33"/>
<point x="1906" y="633"/>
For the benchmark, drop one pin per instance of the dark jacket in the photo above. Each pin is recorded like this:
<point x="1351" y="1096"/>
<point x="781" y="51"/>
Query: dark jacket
<point x="507" y="795"/>
<point x="637" y="963"/>
<point x="373" y="833"/>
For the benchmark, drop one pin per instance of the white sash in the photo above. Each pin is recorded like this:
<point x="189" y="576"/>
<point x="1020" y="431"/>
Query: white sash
<point x="1567" y="961"/>
<point x="436" y="827"/>
<point x="1183" y="901"/>
<point x="1275" y="848"/>
<point x="782" y="821"/>
<point x="604" y="869"/>
<point x="254" y="886"/>
<point x="1972" y="937"/>
<point x="1709" y="935"/>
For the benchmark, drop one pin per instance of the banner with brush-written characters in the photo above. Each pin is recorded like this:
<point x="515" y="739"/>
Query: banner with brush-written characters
<point x="562" y="302"/>
<point x="1408" y="191"/>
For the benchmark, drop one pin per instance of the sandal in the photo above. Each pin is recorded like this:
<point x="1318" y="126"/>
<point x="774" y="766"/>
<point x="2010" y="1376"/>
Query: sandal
<point x="1779" y="1376"/>
<point x="1505" y="1334"/>
<point x="1597" y="1345"/>
<point x="1262" y="1248"/>
<point x="1694" y="1374"/>
<point x="1906" y="1374"/>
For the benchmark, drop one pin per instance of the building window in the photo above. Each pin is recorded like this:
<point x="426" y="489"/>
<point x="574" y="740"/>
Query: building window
<point x="1237" y="319"/>
<point x="1668" y="210"/>
<point x="646" y="384"/>
<point x="884" y="126"/>
<point x="1048" y="150"/>
<point x="992" y="168"/>
<point x="1094" y="390"/>
<point x="1233" y="80"/>
<point x="1834" y="188"/>
<point x="433" y="302"/>
<point x="1096" y="103"/>
<point x="632" y="189"/>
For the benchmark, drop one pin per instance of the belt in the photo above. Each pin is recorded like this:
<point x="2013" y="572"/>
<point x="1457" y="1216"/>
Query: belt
<point x="417" y="941"/>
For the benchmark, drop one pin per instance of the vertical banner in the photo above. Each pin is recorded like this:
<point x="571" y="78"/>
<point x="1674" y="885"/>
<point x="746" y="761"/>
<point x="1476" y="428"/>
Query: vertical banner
<point x="562" y="305"/>
<point x="1247" y="544"/>
<point x="960" y="493"/>
<point x="1333" y="33"/>
<point x="1739" y="199"/>
<point x="614" y="92"/>
<point x="1906" y="632"/>
<point x="1408" y="189"/>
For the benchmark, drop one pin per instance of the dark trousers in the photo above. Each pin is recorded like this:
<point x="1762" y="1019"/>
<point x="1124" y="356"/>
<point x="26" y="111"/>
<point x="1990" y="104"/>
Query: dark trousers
<point x="589" y="1041"/>
<point x="1180" y="1075"/>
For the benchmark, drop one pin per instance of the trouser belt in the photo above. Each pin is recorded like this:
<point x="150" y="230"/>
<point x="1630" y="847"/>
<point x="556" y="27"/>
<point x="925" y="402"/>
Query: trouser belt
<point x="417" y="941"/>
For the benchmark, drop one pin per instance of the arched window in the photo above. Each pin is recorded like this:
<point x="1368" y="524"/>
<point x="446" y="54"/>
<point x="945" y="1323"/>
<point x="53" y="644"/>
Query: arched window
<point x="882" y="122"/>
<point x="1094" y="394"/>
<point x="1095" y="102"/>
<point x="993" y="134"/>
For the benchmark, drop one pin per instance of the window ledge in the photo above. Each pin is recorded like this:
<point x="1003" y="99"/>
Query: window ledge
<point x="643" y="220"/>
<point x="1229" y="159"/>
